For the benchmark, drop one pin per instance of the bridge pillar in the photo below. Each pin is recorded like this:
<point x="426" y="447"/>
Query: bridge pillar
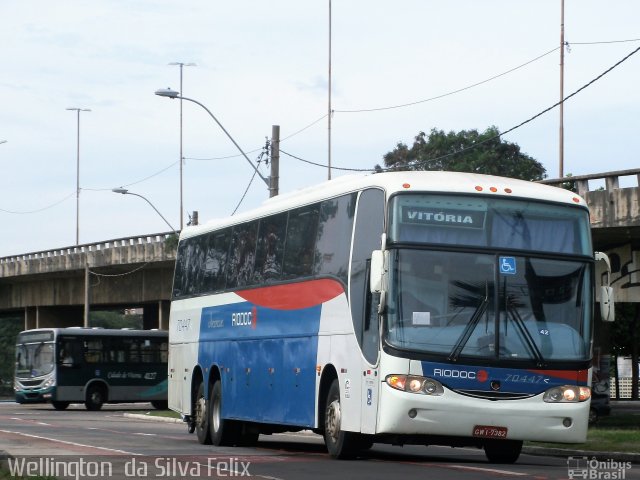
<point x="156" y="315"/>
<point x="52" y="317"/>
<point x="165" y="308"/>
<point x="30" y="318"/>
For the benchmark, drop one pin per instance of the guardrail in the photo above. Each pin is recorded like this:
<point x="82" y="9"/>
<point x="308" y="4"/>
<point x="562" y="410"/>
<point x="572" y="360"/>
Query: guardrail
<point x="152" y="238"/>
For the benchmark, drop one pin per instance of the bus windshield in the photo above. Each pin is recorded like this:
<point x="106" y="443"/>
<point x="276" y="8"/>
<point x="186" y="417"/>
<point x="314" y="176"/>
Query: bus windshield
<point x="489" y="306"/>
<point x="34" y="354"/>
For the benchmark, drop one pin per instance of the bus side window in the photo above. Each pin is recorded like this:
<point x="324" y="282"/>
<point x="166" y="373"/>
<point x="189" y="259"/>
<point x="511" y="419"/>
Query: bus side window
<point x="300" y="245"/>
<point x="93" y="351"/>
<point x="270" y="250"/>
<point x="334" y="237"/>
<point x="242" y="255"/>
<point x="215" y="268"/>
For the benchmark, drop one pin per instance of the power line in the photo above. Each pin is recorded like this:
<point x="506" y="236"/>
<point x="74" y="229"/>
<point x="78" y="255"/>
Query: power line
<point x="137" y="181"/>
<point x="540" y="113"/>
<point x="265" y="151"/>
<point x="25" y="212"/>
<point x="605" y="42"/>
<point x="475" y="145"/>
<point x="453" y="92"/>
<point x="325" y="166"/>
<point x="260" y="149"/>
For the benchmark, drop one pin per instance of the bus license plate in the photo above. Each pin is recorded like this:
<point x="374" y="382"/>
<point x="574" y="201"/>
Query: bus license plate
<point x="488" y="431"/>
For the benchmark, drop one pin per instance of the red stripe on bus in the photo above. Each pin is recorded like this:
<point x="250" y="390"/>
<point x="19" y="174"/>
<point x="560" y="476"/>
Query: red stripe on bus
<point x="294" y="296"/>
<point x="573" y="375"/>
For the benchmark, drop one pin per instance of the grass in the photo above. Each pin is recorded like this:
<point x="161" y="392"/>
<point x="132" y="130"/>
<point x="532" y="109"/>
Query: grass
<point x="162" y="413"/>
<point x="615" y="433"/>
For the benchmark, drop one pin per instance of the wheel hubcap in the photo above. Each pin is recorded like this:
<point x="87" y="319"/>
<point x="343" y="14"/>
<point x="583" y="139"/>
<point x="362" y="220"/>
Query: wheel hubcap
<point x="201" y="410"/>
<point x="333" y="419"/>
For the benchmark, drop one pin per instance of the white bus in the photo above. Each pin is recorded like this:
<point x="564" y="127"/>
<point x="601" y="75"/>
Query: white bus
<point x="407" y="308"/>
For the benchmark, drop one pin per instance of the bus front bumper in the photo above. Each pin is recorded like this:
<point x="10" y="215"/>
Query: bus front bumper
<point x="36" y="395"/>
<point x="452" y="414"/>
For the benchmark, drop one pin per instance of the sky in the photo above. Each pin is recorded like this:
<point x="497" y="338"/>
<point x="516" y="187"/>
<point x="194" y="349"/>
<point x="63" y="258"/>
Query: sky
<point x="262" y="63"/>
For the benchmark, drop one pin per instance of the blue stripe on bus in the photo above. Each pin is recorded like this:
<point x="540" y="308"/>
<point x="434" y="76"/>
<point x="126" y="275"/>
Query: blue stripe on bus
<point x="267" y="359"/>
<point x="511" y="380"/>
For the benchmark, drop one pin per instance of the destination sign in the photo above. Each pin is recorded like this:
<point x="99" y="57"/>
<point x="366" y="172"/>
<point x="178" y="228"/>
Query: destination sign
<point x="443" y="218"/>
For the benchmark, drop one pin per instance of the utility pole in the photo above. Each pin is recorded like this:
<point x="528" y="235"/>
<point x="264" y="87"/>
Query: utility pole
<point x="181" y="65"/>
<point x="87" y="286"/>
<point x="561" y="153"/>
<point x="329" y="109"/>
<point x="78" y="110"/>
<point x="274" y="178"/>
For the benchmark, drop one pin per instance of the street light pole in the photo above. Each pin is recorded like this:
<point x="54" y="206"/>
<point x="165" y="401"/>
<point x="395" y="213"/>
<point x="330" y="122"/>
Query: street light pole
<point x="78" y="110"/>
<point x="167" y="92"/>
<point x="181" y="65"/>
<point x="124" y="191"/>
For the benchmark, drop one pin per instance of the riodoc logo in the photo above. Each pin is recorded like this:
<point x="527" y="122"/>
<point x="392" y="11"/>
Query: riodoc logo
<point x="245" y="319"/>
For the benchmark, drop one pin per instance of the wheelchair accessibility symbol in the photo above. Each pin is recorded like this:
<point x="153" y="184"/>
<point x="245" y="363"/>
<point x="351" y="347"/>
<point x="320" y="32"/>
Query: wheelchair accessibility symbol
<point x="508" y="265"/>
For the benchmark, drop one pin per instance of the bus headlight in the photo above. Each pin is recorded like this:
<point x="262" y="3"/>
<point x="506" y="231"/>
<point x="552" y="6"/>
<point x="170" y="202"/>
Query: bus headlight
<point x="567" y="394"/>
<point x="50" y="382"/>
<point x="415" y="384"/>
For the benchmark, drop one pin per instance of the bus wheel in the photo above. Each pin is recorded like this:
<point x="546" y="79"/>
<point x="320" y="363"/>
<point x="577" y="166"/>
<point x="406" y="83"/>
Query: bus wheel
<point x="96" y="396"/>
<point x="60" y="405"/>
<point x="202" y="417"/>
<point x="223" y="432"/>
<point x="503" y="451"/>
<point x="340" y="444"/>
<point x="160" y="404"/>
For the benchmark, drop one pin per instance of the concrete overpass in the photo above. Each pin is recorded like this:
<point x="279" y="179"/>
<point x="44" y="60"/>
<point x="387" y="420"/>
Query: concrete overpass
<point x="615" y="224"/>
<point x="51" y="288"/>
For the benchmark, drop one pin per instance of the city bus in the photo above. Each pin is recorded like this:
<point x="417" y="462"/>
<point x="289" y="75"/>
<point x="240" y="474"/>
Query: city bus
<point x="430" y="308"/>
<point x="91" y="366"/>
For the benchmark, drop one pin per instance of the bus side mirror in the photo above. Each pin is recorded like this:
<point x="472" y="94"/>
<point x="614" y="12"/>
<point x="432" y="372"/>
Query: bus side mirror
<point x="607" y="308"/>
<point x="607" y="303"/>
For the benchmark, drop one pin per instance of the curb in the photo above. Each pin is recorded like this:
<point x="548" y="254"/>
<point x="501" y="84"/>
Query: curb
<point x="152" y="418"/>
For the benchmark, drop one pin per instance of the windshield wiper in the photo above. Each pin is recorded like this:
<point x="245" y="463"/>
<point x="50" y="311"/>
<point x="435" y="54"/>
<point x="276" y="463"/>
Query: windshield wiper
<point x="468" y="330"/>
<point x="529" y="341"/>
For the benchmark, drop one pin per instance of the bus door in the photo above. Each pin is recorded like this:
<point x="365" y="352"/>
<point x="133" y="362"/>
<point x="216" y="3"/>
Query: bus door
<point x="367" y="236"/>
<point x="177" y="384"/>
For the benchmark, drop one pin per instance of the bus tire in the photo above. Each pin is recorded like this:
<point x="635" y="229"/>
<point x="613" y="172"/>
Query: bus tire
<point x="201" y="414"/>
<point x="96" y="396"/>
<point x="60" y="405"/>
<point x="503" y="451"/>
<point x="340" y="444"/>
<point x="160" y="404"/>
<point x="223" y="432"/>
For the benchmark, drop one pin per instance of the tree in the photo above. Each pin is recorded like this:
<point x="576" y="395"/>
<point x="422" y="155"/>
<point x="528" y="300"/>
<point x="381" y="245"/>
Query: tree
<point x="456" y="152"/>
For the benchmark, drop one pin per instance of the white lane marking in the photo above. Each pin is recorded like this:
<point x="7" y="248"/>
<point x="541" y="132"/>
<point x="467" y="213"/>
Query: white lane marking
<point x="30" y="421"/>
<point x="75" y="444"/>
<point x="489" y="470"/>
<point x="145" y="434"/>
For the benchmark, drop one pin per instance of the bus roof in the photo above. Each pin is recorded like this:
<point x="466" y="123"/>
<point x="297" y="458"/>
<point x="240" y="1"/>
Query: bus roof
<point x="102" y="332"/>
<point x="404" y="181"/>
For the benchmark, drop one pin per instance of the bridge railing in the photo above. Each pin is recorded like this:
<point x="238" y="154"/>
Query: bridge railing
<point x="153" y="238"/>
<point x="581" y="182"/>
